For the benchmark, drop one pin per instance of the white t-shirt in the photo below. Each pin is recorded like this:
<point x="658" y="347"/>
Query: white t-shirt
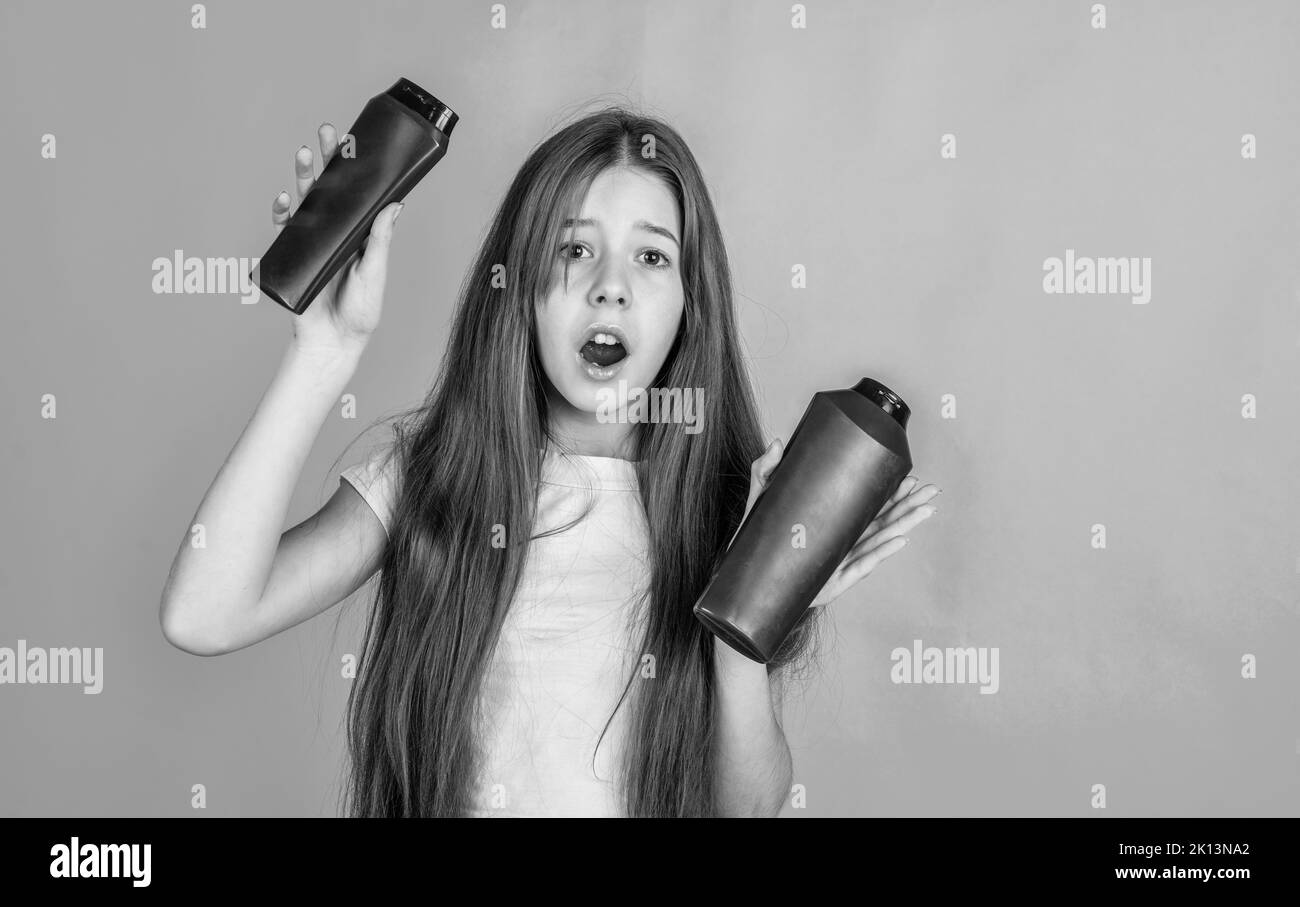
<point x="566" y="648"/>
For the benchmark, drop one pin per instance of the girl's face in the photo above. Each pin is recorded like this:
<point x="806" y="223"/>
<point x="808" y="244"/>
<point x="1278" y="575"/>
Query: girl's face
<point x="617" y="318"/>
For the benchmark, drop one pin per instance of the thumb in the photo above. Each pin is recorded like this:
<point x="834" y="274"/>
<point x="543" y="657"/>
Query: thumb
<point x="763" y="467"/>
<point x="381" y="234"/>
<point x="770" y="458"/>
<point x="759" y="473"/>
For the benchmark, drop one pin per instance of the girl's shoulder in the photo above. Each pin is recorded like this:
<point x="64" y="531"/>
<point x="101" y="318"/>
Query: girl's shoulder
<point x="375" y="479"/>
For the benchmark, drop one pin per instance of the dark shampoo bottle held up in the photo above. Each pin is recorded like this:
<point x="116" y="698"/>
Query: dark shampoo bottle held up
<point x="396" y="140"/>
<point x="846" y="458"/>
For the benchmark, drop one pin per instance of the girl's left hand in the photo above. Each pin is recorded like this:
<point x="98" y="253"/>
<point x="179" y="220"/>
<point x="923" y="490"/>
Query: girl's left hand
<point x="884" y="535"/>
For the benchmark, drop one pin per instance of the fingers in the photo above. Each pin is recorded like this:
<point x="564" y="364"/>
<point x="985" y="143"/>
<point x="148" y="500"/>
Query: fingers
<point x="855" y="570"/>
<point x="852" y="571"/>
<point x="303" y="171"/>
<point x="374" y="259"/>
<point x="904" y="487"/>
<point x="907" y="504"/>
<point x="280" y="211"/>
<point x="885" y="536"/>
<point x="329" y="142"/>
<point x="890" y="531"/>
<point x="899" y="505"/>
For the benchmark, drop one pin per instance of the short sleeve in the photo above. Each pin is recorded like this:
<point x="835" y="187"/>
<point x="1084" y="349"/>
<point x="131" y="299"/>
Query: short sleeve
<point x="374" y="478"/>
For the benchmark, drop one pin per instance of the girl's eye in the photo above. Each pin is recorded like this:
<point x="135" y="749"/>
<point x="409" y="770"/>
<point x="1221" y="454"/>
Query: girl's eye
<point x="661" y="260"/>
<point x="658" y="260"/>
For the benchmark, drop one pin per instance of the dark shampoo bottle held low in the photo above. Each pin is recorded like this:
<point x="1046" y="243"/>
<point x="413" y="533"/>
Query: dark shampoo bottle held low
<point x="846" y="458"/>
<point x="396" y="140"/>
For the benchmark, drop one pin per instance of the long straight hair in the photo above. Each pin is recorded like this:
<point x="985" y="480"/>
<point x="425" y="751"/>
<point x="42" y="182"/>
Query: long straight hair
<point x="470" y="460"/>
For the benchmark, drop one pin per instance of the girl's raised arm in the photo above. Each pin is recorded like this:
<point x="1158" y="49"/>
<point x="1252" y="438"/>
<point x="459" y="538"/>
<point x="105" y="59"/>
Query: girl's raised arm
<point x="248" y="579"/>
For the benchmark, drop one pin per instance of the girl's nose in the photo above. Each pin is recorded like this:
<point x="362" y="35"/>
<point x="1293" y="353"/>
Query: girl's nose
<point x="617" y="297"/>
<point x="611" y="291"/>
<point x="611" y="287"/>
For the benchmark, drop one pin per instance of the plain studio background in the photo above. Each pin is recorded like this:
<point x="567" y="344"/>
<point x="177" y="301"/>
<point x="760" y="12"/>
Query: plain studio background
<point x="1119" y="666"/>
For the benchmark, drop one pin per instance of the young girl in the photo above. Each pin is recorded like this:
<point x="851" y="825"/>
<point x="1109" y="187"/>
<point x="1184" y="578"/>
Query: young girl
<point x="531" y="649"/>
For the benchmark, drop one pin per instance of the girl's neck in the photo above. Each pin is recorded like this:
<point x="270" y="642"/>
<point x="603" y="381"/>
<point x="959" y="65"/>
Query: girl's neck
<point x="586" y="441"/>
<point x="583" y="434"/>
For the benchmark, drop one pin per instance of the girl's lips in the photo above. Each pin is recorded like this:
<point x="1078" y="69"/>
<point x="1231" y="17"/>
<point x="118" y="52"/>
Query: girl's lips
<point x="606" y="331"/>
<point x="600" y="327"/>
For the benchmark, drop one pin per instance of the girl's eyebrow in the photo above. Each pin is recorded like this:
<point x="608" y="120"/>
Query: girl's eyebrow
<point x="640" y="225"/>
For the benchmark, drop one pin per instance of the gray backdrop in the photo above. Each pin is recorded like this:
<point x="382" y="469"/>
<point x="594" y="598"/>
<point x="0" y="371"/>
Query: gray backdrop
<point x="1119" y="666"/>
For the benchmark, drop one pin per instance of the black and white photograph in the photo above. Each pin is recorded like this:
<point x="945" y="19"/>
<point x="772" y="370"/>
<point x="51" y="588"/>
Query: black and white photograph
<point x="652" y="409"/>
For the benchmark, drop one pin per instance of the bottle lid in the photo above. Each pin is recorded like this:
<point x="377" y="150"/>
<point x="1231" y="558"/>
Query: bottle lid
<point x="425" y="104"/>
<point x="886" y="399"/>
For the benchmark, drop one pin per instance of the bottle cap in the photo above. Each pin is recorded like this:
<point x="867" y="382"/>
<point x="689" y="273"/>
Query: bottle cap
<point x="886" y="399"/>
<point x="425" y="104"/>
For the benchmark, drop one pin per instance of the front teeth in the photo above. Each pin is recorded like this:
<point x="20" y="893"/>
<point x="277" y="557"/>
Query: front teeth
<point x="607" y="339"/>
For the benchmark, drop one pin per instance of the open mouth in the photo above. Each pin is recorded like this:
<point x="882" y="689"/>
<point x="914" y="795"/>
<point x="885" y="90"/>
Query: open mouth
<point x="603" y="350"/>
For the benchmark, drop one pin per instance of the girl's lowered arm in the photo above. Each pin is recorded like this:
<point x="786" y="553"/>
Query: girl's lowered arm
<point x="751" y="753"/>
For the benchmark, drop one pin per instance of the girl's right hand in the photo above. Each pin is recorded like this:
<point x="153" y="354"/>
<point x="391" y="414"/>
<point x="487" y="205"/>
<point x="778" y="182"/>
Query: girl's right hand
<point x="346" y="312"/>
